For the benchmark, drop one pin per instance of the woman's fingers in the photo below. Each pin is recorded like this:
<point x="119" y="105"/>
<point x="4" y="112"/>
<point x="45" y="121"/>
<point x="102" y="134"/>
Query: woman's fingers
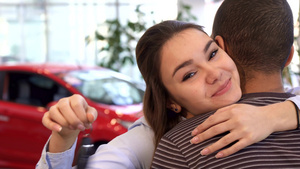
<point x="245" y="125"/>
<point x="72" y="117"/>
<point x="50" y="124"/>
<point x="210" y="122"/>
<point x="71" y="113"/>
<point x="211" y="132"/>
<point x="240" y="137"/>
<point x="226" y="140"/>
<point x="79" y="108"/>
<point x="233" y="149"/>
<point x="84" y="112"/>
<point x="92" y="114"/>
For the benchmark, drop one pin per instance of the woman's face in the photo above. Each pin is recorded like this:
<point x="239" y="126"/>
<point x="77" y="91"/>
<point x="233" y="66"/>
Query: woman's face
<point x="198" y="74"/>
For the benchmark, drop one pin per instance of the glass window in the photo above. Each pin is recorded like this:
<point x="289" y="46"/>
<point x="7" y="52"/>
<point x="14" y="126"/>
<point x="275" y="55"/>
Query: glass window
<point x="33" y="89"/>
<point x="55" y="30"/>
<point x="22" y="32"/>
<point x="104" y="87"/>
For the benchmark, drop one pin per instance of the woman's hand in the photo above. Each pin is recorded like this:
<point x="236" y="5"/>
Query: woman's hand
<point x="246" y="125"/>
<point x="66" y="119"/>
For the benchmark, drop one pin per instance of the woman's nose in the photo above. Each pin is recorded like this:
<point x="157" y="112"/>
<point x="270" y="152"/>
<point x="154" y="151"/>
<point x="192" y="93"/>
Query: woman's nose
<point x="213" y="75"/>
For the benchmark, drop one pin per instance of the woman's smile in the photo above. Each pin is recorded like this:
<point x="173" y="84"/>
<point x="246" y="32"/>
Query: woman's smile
<point x="223" y="88"/>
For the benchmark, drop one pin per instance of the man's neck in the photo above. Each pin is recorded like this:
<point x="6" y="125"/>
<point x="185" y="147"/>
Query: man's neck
<point x="264" y="83"/>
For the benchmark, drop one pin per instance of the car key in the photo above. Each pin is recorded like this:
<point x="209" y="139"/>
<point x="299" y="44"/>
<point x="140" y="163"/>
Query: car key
<point x="86" y="150"/>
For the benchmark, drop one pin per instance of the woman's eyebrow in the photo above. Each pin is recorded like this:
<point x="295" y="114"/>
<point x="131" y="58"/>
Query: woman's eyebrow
<point x="208" y="45"/>
<point x="186" y="63"/>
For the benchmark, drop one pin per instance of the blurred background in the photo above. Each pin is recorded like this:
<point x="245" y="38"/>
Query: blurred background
<point x="49" y="50"/>
<point x="81" y="31"/>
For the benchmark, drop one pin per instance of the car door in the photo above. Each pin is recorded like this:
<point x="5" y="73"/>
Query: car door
<point x="21" y="112"/>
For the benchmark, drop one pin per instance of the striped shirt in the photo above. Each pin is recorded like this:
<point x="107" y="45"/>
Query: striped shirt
<point x="279" y="150"/>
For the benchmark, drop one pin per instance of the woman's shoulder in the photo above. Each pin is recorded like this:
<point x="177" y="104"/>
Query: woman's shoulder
<point x="141" y="122"/>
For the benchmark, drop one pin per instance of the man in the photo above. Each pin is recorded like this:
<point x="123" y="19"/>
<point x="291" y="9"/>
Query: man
<point x="123" y="152"/>
<point x="258" y="35"/>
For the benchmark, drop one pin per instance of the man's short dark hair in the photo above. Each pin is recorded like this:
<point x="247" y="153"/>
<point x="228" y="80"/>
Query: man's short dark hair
<point x="258" y="34"/>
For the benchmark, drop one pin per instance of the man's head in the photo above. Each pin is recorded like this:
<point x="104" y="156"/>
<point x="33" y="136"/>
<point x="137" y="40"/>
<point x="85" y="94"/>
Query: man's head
<point x="257" y="34"/>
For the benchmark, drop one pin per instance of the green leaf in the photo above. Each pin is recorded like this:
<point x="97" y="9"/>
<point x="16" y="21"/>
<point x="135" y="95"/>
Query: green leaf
<point x="127" y="58"/>
<point x="99" y="36"/>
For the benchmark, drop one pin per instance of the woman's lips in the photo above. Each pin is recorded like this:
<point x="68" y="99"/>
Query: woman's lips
<point x="223" y="89"/>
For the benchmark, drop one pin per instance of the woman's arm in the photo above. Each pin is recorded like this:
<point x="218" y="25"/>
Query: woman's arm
<point x="65" y="119"/>
<point x="124" y="151"/>
<point x="247" y="125"/>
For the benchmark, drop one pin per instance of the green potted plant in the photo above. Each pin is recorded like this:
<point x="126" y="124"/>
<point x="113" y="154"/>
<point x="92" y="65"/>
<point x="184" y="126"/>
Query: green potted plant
<point x="120" y="39"/>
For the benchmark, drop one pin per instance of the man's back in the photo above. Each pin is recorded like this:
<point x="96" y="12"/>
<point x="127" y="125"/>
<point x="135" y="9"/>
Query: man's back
<point x="279" y="150"/>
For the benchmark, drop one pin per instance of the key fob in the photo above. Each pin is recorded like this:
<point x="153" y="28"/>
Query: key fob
<point x="86" y="149"/>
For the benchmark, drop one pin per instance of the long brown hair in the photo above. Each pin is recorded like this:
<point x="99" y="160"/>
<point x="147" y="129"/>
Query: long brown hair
<point x="148" y="55"/>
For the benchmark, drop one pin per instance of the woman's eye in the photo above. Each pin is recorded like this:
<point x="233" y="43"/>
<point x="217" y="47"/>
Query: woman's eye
<point x="187" y="76"/>
<point x="213" y="54"/>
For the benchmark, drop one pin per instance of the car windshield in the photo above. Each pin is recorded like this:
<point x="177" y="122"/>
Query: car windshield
<point x="104" y="87"/>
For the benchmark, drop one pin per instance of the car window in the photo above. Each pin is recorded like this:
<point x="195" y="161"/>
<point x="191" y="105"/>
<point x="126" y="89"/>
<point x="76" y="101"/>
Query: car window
<point x="112" y="91"/>
<point x="33" y="89"/>
<point x="104" y="87"/>
<point x="2" y="81"/>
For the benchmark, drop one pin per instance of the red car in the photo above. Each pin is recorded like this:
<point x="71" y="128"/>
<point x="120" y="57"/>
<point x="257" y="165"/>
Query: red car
<point x="28" y="90"/>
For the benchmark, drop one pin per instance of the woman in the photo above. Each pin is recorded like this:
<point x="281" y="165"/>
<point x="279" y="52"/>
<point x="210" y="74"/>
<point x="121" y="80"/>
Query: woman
<point x="216" y="85"/>
<point x="202" y="75"/>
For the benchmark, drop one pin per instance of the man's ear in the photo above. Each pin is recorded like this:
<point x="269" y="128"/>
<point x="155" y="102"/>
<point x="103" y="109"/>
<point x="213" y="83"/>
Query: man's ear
<point x="172" y="105"/>
<point x="289" y="60"/>
<point x="220" y="41"/>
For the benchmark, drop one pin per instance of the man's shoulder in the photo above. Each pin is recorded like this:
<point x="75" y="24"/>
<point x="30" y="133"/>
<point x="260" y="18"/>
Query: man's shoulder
<point x="264" y="98"/>
<point x="185" y="127"/>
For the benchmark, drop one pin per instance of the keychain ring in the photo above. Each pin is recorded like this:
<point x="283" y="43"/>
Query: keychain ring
<point x="88" y="131"/>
